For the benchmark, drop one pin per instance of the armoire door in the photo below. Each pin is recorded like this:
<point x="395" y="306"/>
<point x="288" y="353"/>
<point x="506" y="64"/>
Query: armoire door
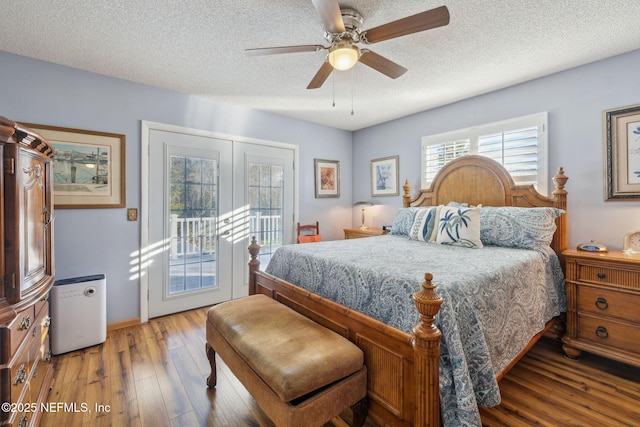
<point x="27" y="216"/>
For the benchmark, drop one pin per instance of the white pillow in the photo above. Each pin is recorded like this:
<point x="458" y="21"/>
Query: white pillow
<point x="459" y="226"/>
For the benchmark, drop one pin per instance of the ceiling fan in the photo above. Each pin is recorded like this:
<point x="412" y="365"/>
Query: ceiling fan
<point x="342" y="31"/>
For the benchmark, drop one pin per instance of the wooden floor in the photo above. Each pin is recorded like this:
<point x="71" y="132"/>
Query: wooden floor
<point x="154" y="375"/>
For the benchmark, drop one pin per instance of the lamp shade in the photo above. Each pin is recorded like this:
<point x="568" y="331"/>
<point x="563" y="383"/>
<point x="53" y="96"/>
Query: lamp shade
<point x="343" y="56"/>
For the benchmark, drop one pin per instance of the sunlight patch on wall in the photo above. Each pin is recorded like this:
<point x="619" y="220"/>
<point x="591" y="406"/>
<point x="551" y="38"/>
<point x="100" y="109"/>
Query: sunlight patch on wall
<point x="142" y="259"/>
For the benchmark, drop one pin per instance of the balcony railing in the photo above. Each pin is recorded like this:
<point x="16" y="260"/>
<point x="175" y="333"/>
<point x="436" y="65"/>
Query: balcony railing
<point x="193" y="236"/>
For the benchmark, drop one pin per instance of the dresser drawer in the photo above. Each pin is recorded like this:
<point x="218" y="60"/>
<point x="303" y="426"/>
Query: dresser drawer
<point x="615" y="276"/>
<point x="41" y="304"/>
<point x="609" y="333"/>
<point x="14" y="333"/>
<point x="39" y="365"/>
<point x="19" y="419"/>
<point x="603" y="302"/>
<point x="15" y="374"/>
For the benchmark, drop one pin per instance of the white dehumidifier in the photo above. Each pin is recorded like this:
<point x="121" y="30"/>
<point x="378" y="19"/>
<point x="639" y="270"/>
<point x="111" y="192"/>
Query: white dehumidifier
<point x="78" y="313"/>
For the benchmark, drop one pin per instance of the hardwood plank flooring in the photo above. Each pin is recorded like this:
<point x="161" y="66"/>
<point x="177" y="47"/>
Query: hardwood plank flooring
<point x="154" y="375"/>
<point x="547" y="389"/>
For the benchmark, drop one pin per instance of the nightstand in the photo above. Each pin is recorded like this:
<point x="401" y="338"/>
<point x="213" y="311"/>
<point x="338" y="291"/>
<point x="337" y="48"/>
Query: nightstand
<point x="603" y="305"/>
<point x="357" y="233"/>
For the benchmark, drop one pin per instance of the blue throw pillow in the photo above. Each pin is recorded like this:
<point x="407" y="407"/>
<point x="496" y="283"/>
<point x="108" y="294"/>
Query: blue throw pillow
<point x="512" y="227"/>
<point x="425" y="224"/>
<point x="403" y="221"/>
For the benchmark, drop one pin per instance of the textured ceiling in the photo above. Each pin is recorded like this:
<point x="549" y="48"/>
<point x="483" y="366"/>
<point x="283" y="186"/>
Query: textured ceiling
<point x="197" y="47"/>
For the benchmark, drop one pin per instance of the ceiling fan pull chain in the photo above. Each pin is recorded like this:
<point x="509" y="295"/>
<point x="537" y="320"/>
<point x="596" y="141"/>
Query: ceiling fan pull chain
<point x="352" y="91"/>
<point x="333" y="83"/>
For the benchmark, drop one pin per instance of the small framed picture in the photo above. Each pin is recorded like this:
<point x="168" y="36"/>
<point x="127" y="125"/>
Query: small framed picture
<point x="384" y="177"/>
<point x="327" y="178"/>
<point x="622" y="153"/>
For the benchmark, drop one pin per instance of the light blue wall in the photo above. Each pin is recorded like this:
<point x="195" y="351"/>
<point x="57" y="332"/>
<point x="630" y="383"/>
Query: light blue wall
<point x="574" y="99"/>
<point x="90" y="241"/>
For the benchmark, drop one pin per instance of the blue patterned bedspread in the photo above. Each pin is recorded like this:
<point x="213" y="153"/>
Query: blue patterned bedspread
<point x="495" y="300"/>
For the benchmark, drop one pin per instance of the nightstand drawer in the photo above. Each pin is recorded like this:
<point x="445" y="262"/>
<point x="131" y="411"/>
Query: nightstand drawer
<point x="614" y="276"/>
<point x="604" y="302"/>
<point x="358" y="233"/>
<point x="609" y="333"/>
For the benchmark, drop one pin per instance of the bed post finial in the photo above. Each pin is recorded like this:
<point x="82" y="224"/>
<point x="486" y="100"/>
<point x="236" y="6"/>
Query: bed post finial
<point x="560" y="240"/>
<point x="426" y="348"/>
<point x="560" y="181"/>
<point x="406" y="198"/>
<point x="254" y="264"/>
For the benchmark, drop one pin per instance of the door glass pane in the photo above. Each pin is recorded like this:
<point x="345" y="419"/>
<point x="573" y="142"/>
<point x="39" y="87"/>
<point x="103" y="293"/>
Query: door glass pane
<point x="193" y="209"/>
<point x="265" y="191"/>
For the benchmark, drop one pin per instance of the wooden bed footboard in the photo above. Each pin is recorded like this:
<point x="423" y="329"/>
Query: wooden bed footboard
<point x="402" y="369"/>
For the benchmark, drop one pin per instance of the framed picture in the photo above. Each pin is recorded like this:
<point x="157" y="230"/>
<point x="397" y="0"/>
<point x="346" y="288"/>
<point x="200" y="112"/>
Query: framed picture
<point x="622" y="156"/>
<point x="384" y="177"/>
<point x="327" y="173"/>
<point x="88" y="167"/>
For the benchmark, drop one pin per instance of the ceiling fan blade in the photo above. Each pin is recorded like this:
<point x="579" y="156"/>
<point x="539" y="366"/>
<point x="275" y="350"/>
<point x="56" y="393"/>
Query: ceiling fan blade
<point x="433" y="18"/>
<point x="382" y="64"/>
<point x="284" y="49"/>
<point x="330" y="15"/>
<point x="322" y="74"/>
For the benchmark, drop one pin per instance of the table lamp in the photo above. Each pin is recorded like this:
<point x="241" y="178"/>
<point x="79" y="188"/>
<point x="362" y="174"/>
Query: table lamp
<point x="363" y="205"/>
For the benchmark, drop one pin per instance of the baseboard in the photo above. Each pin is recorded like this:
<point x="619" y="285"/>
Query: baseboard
<point x="123" y="324"/>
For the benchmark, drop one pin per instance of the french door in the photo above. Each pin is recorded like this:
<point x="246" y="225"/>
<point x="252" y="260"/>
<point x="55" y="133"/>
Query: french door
<point x="264" y="194"/>
<point x="206" y="197"/>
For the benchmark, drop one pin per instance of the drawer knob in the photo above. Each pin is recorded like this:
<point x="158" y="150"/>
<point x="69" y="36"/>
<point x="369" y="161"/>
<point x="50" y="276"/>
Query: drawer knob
<point x="25" y="322"/>
<point x="601" y="332"/>
<point x="21" y="375"/>
<point x="601" y="275"/>
<point x="602" y="303"/>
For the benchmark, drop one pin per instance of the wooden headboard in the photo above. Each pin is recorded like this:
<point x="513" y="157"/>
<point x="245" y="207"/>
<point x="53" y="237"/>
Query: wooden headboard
<point x="478" y="180"/>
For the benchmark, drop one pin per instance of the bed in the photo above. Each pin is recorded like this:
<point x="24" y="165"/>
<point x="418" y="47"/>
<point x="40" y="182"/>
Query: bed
<point x="413" y="367"/>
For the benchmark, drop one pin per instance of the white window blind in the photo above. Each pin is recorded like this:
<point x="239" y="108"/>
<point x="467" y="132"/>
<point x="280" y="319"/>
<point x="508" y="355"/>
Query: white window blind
<point x="520" y="145"/>
<point x="436" y="155"/>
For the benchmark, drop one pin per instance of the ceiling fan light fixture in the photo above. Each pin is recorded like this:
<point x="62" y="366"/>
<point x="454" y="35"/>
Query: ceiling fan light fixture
<point x="343" y="56"/>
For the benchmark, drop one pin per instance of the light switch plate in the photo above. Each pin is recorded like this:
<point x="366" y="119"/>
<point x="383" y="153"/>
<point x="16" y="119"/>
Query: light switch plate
<point x="132" y="214"/>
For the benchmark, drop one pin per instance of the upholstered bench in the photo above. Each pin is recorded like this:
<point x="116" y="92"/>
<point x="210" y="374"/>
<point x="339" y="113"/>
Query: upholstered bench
<point x="299" y="373"/>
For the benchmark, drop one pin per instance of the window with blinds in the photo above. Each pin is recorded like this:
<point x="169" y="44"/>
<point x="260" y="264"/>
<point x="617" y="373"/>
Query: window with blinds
<point x="520" y="145"/>
<point x="436" y="155"/>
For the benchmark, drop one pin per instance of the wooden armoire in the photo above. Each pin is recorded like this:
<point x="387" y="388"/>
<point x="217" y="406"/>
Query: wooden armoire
<point x="26" y="273"/>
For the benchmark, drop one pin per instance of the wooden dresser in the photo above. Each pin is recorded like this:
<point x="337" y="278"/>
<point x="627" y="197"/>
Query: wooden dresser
<point x="26" y="273"/>
<point x="357" y="233"/>
<point x="603" y="305"/>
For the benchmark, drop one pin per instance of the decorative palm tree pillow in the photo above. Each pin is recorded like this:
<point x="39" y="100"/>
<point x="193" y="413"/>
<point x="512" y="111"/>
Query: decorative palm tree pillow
<point x="459" y="226"/>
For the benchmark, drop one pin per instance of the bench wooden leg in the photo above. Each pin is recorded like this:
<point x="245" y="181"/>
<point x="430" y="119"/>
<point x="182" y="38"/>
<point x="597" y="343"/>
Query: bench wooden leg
<point x="360" y="410"/>
<point x="211" y="355"/>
